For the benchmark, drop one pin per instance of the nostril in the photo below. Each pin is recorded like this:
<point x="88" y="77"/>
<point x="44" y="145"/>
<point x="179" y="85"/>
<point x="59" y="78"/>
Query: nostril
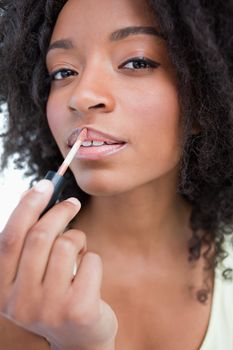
<point x="100" y="105"/>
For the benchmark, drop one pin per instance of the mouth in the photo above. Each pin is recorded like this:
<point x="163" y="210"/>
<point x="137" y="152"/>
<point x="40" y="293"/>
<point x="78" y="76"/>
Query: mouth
<point x="96" y="145"/>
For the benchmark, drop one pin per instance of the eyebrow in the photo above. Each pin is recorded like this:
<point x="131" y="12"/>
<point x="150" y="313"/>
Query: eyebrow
<point x="127" y="31"/>
<point x="61" y="44"/>
<point x="117" y="35"/>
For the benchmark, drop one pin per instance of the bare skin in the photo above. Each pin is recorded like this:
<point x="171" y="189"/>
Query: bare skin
<point x="135" y="221"/>
<point x="139" y="291"/>
<point x="138" y="287"/>
<point x="151" y="287"/>
<point x="66" y="310"/>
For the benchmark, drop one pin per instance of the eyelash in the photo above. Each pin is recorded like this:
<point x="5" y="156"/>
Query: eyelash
<point x="66" y="71"/>
<point x="146" y="64"/>
<point x="142" y="60"/>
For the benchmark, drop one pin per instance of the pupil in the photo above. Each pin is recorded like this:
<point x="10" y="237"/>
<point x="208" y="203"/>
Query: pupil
<point x="139" y="64"/>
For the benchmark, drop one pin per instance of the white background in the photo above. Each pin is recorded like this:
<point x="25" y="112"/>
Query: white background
<point x="12" y="185"/>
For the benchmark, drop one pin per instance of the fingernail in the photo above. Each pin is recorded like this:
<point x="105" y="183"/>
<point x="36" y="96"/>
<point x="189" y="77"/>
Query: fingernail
<point x="42" y="186"/>
<point x="74" y="201"/>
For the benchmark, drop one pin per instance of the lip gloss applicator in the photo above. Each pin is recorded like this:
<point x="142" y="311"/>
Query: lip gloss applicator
<point x="57" y="177"/>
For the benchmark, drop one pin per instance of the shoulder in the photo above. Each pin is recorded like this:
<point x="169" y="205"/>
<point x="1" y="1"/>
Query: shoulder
<point x="227" y="264"/>
<point x="219" y="334"/>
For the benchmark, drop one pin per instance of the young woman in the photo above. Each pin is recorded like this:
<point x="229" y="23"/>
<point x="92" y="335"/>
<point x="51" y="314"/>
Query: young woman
<point x="151" y="81"/>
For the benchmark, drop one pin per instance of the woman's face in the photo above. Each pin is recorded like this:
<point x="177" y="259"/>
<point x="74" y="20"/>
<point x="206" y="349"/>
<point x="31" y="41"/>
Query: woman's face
<point x="117" y="82"/>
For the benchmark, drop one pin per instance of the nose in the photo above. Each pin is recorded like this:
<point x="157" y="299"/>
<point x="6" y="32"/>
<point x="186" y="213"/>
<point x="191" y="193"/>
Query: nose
<point x="91" y="91"/>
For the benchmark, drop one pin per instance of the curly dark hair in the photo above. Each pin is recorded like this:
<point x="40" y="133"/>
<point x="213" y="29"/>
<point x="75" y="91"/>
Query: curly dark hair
<point x="199" y="38"/>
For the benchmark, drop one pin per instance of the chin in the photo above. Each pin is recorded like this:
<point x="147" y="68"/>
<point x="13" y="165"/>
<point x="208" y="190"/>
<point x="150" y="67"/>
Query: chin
<point x="97" y="187"/>
<point x="103" y="186"/>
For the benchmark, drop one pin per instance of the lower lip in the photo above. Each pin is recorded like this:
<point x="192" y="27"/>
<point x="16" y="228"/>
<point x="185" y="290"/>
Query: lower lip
<point x="99" y="152"/>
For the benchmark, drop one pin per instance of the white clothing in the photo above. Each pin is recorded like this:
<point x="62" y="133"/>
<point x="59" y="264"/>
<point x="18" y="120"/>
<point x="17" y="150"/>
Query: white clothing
<point x="219" y="335"/>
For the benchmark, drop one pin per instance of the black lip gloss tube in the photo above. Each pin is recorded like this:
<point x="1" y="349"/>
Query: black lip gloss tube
<point x="57" y="177"/>
<point x="59" y="184"/>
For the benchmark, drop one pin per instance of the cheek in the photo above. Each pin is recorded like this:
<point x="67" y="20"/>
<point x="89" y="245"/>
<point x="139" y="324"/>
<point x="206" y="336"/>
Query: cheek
<point x="55" y="116"/>
<point x="156" y="123"/>
<point x="158" y="114"/>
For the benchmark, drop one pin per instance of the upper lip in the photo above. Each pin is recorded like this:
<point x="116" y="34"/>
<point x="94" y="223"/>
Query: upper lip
<point x="93" y="135"/>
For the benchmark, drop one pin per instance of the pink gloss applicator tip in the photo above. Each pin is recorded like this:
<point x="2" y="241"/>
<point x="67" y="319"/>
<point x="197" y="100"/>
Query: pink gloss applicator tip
<point x="57" y="177"/>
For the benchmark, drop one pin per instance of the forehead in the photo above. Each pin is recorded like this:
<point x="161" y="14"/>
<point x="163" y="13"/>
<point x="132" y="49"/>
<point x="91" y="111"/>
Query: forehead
<point x="95" y="18"/>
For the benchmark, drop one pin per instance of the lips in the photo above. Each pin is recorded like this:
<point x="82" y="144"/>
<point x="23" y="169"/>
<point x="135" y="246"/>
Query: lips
<point x="97" y="144"/>
<point x="95" y="137"/>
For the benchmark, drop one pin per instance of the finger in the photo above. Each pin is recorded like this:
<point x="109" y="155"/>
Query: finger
<point x="40" y="240"/>
<point x="87" y="282"/>
<point x="60" y="270"/>
<point x="21" y="220"/>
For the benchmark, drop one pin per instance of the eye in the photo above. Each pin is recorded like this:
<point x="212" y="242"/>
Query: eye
<point x="62" y="74"/>
<point x="137" y="63"/>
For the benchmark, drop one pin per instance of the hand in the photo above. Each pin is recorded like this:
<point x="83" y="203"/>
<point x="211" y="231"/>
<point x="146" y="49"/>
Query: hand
<point x="37" y="288"/>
